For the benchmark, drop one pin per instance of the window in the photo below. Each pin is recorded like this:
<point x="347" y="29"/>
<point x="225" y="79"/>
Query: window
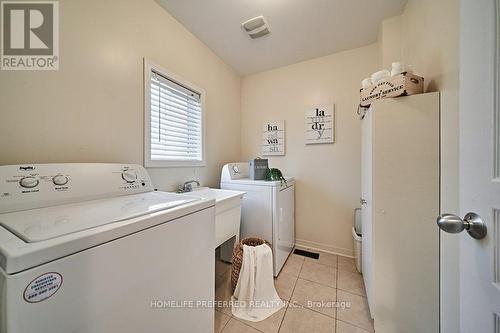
<point x="173" y="120"/>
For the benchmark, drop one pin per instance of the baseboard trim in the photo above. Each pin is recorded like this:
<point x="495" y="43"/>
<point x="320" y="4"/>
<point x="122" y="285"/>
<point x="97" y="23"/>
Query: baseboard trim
<point x="309" y="245"/>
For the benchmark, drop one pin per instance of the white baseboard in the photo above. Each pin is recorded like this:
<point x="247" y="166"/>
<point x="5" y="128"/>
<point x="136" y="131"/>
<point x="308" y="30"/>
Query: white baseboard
<point x="309" y="245"/>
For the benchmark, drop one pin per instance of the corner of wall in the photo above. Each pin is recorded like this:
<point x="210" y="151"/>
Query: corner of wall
<point x="390" y="41"/>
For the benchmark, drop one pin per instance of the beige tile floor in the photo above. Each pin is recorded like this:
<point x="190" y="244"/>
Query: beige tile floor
<point x="330" y="279"/>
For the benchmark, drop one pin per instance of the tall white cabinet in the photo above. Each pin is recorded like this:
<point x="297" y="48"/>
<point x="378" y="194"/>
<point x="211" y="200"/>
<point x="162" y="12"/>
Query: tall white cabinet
<point x="400" y="196"/>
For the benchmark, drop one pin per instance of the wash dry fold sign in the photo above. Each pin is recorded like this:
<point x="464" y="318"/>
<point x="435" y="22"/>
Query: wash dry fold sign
<point x="320" y="124"/>
<point x="273" y="138"/>
<point x="29" y="35"/>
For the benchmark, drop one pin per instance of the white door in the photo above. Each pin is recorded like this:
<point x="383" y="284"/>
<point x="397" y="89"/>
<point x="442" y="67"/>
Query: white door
<point x="366" y="203"/>
<point x="479" y="165"/>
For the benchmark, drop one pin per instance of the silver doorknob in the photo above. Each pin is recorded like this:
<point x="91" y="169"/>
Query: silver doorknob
<point x="472" y="222"/>
<point x="362" y="201"/>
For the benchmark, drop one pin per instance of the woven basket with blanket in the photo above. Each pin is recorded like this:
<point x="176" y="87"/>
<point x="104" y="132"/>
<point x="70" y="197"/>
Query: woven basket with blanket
<point x="238" y="257"/>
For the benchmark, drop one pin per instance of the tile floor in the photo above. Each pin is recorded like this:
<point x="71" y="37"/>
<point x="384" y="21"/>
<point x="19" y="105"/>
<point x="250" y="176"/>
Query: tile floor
<point x="331" y="278"/>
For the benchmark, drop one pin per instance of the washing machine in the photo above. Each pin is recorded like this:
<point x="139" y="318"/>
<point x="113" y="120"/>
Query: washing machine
<point x="92" y="248"/>
<point x="268" y="210"/>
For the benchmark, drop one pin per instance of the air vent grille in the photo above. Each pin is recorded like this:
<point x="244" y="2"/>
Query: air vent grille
<point x="256" y="27"/>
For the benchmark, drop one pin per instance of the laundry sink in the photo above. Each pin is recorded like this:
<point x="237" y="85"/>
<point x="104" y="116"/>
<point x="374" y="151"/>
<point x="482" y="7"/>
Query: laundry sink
<point x="227" y="212"/>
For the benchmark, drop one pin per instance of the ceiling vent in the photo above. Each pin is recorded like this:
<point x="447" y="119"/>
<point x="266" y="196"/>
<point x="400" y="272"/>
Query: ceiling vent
<point x="256" y="27"/>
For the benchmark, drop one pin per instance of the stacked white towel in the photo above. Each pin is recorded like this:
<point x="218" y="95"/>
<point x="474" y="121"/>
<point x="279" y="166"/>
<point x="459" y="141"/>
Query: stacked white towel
<point x="255" y="297"/>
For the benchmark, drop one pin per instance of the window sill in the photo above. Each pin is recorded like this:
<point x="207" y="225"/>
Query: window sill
<point x="174" y="164"/>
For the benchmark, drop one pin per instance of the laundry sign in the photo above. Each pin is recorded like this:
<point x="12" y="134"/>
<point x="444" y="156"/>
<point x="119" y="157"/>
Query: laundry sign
<point x="320" y="124"/>
<point x="273" y="138"/>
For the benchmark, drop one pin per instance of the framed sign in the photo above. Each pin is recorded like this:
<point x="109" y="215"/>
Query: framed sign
<point x="273" y="138"/>
<point x="320" y="125"/>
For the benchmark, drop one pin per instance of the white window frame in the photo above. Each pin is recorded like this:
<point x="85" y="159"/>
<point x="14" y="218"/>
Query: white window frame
<point x="148" y="163"/>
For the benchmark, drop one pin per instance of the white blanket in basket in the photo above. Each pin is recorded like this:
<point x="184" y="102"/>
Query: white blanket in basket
<point x="254" y="297"/>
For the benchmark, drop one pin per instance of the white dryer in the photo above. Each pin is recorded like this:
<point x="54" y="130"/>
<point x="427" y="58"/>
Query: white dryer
<point x="92" y="248"/>
<point x="268" y="210"/>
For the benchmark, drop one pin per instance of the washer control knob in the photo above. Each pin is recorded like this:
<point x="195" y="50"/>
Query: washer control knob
<point x="60" y="180"/>
<point x="129" y="176"/>
<point x="29" y="182"/>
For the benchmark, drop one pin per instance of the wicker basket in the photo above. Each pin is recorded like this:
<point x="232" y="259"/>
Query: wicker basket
<point x="238" y="257"/>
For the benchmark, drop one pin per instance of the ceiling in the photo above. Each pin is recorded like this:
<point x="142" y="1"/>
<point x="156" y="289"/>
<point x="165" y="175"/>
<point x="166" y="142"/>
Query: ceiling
<point x="300" y="29"/>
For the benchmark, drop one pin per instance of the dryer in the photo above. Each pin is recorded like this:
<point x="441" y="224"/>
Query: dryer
<point x="268" y="210"/>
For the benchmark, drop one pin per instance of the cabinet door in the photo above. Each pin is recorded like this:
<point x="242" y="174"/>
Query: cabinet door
<point x="405" y="205"/>
<point x="367" y="204"/>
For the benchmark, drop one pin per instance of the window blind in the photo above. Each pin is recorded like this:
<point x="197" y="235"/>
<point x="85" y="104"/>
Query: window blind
<point x="176" y="121"/>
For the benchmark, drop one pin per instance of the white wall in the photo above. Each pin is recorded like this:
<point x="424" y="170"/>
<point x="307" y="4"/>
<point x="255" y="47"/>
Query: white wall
<point x="426" y="36"/>
<point x="91" y="110"/>
<point x="328" y="175"/>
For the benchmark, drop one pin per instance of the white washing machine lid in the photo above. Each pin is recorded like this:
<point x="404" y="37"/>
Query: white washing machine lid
<point x="248" y="181"/>
<point x="41" y="224"/>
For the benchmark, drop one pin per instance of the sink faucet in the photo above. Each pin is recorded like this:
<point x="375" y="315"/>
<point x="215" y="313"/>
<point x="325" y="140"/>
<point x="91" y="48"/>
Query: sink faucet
<point x="187" y="186"/>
